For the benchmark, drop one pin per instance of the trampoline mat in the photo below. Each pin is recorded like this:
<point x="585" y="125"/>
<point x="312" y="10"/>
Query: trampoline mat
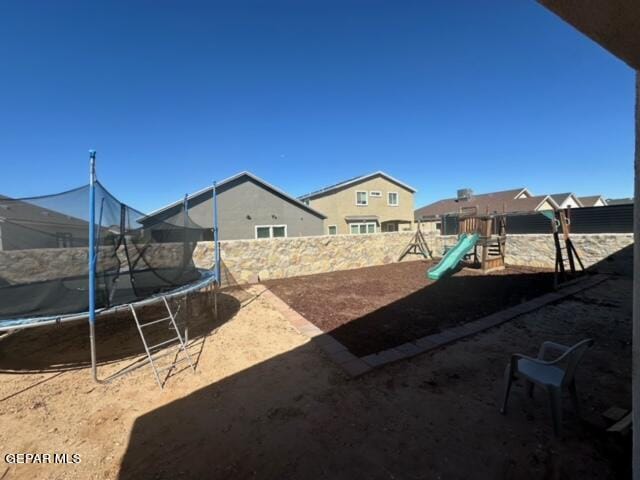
<point x="66" y="296"/>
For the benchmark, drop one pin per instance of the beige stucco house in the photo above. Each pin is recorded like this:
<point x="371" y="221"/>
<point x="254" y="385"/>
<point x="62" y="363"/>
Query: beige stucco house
<point x="372" y="203"/>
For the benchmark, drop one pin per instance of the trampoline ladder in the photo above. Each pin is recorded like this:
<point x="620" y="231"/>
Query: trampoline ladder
<point x="149" y="349"/>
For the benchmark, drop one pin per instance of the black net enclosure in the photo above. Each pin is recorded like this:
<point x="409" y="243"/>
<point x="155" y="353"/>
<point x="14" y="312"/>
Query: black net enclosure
<point x="44" y="252"/>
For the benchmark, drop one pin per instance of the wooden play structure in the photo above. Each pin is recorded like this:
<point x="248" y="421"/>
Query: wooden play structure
<point x="417" y="246"/>
<point x="567" y="255"/>
<point x="489" y="251"/>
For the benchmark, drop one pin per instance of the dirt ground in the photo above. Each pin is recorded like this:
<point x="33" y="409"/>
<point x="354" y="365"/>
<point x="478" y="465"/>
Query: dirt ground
<point x="265" y="403"/>
<point x="375" y="308"/>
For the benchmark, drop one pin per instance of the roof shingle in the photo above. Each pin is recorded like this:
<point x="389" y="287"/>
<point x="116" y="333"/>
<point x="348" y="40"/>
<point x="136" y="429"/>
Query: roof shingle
<point x="591" y="200"/>
<point x="495" y="202"/>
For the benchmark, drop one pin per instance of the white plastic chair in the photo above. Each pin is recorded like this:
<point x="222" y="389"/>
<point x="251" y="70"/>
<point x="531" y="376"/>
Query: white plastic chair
<point x="551" y="375"/>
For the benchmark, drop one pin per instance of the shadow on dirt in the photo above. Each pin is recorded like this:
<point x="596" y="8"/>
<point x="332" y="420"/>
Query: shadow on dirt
<point x="66" y="347"/>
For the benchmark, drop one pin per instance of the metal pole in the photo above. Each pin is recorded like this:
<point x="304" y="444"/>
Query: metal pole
<point x="216" y="251"/>
<point x="216" y="235"/>
<point x="185" y="206"/>
<point x="185" y="238"/>
<point x="92" y="262"/>
<point x="635" y="376"/>
<point x="185" y="262"/>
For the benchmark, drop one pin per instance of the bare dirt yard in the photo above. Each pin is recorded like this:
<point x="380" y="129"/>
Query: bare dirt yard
<point x="265" y="403"/>
<point x="375" y="308"/>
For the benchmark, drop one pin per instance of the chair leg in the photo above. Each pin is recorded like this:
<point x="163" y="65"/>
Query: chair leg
<point x="508" y="379"/>
<point x="574" y="398"/>
<point x="530" y="386"/>
<point x="555" y="402"/>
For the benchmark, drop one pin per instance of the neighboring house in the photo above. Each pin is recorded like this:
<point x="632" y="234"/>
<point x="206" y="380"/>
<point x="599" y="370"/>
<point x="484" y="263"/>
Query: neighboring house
<point x="595" y="201"/>
<point x="619" y="201"/>
<point x="26" y="225"/>
<point x="367" y="204"/>
<point x="518" y="200"/>
<point x="248" y="207"/>
<point x="568" y="200"/>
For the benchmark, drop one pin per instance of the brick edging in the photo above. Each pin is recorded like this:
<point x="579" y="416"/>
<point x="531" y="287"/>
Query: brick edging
<point x="335" y="350"/>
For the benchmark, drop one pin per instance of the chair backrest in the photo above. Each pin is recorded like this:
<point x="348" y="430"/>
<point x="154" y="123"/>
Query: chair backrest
<point x="573" y="356"/>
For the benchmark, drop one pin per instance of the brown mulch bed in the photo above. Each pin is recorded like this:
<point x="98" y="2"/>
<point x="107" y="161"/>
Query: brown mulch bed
<point x="375" y="308"/>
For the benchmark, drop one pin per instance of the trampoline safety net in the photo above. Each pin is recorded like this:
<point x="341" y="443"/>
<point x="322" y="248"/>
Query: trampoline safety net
<point x="44" y="247"/>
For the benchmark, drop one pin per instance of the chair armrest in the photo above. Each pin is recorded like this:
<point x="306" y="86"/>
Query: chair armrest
<point x="518" y="356"/>
<point x="547" y="346"/>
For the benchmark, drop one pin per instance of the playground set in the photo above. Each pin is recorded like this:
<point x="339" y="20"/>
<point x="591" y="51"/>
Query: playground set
<point x="482" y="241"/>
<point x="481" y="245"/>
<point x="417" y="246"/>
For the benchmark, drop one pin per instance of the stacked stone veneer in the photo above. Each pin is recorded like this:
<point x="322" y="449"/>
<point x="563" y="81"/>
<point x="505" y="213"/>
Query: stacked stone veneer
<point x="539" y="250"/>
<point x="41" y="264"/>
<point x="33" y="265"/>
<point x="253" y="260"/>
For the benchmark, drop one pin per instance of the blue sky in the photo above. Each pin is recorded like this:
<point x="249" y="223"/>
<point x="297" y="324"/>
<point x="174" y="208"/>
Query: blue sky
<point x="442" y="95"/>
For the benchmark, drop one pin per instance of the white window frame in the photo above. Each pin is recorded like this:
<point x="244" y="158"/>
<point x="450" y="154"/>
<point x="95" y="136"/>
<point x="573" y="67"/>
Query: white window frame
<point x="329" y="229"/>
<point x="366" y="224"/>
<point x="270" y="227"/>
<point x="397" y="204"/>
<point x="366" y="199"/>
<point x="375" y="193"/>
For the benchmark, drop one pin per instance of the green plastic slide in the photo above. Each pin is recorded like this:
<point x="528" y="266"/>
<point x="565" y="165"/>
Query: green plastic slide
<point x="453" y="256"/>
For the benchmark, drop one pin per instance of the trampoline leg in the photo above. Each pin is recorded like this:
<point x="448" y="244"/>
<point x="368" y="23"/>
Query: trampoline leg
<point x="186" y="321"/>
<point x="92" y="341"/>
<point x="215" y="302"/>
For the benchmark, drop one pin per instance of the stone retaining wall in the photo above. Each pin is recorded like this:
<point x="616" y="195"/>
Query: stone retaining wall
<point x="41" y="264"/>
<point x="33" y="265"/>
<point x="539" y="250"/>
<point x="254" y="260"/>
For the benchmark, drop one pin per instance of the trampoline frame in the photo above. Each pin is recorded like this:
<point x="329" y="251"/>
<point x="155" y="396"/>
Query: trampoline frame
<point x="208" y="277"/>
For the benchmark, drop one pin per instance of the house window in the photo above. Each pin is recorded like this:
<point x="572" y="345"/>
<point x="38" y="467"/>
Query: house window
<point x="271" y="231"/>
<point x="362" y="198"/>
<point x="279" y="231"/>
<point x="375" y="193"/>
<point x="362" y="228"/>
<point x="64" y="240"/>
<point x="392" y="199"/>
<point x="333" y="230"/>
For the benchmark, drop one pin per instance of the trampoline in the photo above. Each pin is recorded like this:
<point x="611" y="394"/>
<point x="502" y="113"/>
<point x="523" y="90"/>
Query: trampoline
<point x="82" y="254"/>
<point x="58" y="296"/>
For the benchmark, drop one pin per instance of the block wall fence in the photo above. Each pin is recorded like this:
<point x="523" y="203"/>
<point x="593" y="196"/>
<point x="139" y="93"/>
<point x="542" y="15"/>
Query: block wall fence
<point x="250" y="261"/>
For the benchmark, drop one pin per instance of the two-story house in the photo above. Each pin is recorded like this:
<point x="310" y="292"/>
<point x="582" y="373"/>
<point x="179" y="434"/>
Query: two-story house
<point x="372" y="203"/>
<point x="248" y="207"/>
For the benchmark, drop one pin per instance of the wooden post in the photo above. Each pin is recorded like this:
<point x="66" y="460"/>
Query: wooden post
<point x="559" y="266"/>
